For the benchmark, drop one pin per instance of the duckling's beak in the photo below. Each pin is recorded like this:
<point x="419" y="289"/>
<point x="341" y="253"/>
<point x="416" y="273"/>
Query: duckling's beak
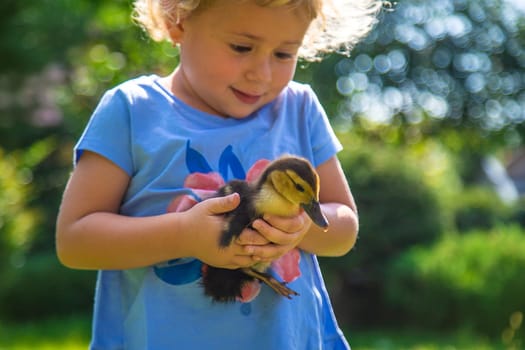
<point x="313" y="209"/>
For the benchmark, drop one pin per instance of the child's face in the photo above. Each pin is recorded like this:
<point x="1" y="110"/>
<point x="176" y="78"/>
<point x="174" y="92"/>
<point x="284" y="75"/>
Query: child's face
<point x="237" y="56"/>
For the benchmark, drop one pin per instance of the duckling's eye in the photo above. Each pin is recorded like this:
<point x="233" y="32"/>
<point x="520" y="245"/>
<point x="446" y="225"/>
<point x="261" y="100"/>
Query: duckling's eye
<point x="299" y="188"/>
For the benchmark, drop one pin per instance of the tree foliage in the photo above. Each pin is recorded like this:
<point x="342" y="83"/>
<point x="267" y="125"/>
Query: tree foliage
<point x="451" y="68"/>
<point x="463" y="280"/>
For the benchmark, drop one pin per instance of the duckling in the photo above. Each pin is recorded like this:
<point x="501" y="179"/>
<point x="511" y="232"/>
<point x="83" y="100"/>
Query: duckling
<point x="284" y="187"/>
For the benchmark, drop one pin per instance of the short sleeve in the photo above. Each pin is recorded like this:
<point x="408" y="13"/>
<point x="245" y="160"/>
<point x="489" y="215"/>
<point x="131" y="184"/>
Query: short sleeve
<point x="324" y="142"/>
<point x="108" y="132"/>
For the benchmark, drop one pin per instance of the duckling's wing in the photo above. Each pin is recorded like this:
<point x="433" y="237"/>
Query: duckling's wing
<point x="242" y="216"/>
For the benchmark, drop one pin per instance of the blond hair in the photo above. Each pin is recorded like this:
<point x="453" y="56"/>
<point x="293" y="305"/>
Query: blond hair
<point x="337" y="25"/>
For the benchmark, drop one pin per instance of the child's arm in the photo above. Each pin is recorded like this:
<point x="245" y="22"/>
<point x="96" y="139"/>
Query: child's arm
<point x="337" y="204"/>
<point x="339" y="207"/>
<point x="91" y="234"/>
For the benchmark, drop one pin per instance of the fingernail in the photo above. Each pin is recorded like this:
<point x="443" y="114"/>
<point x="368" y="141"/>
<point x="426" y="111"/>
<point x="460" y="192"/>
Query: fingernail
<point x="233" y="197"/>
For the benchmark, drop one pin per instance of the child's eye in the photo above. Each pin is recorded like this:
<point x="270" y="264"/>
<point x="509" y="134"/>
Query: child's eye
<point x="284" y="55"/>
<point x="240" y="48"/>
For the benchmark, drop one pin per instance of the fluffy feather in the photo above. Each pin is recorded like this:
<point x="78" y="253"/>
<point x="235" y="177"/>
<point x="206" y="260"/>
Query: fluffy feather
<point x="285" y="186"/>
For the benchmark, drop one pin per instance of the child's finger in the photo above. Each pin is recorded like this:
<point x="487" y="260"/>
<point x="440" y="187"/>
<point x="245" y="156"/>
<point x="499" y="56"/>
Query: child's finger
<point x="269" y="252"/>
<point x="221" y="205"/>
<point x="273" y="234"/>
<point x="242" y="261"/>
<point x="251" y="237"/>
<point x="286" y="224"/>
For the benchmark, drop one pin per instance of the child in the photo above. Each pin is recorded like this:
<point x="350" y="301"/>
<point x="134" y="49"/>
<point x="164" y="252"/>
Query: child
<point x="228" y="104"/>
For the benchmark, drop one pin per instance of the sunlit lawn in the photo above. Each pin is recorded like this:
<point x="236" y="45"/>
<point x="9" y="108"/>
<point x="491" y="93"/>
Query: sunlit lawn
<point x="73" y="333"/>
<point x="415" y="340"/>
<point x="64" y="334"/>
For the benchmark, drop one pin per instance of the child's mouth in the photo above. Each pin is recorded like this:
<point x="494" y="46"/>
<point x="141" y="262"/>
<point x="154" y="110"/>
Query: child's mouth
<point x="246" y="98"/>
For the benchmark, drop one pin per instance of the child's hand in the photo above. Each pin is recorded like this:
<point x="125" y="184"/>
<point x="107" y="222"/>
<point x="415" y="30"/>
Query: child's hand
<point x="282" y="233"/>
<point x="206" y="223"/>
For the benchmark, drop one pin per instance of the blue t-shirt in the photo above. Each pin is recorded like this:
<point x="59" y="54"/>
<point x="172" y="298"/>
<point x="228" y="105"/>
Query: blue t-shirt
<point x="159" y="141"/>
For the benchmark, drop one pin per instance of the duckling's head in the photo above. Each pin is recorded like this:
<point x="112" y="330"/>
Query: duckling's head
<point x="296" y="180"/>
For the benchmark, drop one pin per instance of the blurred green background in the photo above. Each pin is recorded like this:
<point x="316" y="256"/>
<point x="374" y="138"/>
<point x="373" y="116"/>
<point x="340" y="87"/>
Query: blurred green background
<point x="430" y="108"/>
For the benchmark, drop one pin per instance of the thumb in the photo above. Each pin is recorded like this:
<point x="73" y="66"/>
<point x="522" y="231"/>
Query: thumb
<point x="221" y="205"/>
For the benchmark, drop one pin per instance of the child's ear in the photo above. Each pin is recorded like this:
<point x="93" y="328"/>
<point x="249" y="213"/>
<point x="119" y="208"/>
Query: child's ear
<point x="176" y="31"/>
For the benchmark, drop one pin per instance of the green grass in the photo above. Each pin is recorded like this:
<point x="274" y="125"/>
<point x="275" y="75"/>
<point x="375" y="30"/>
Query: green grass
<point x="73" y="333"/>
<point x="65" y="334"/>
<point x="426" y="340"/>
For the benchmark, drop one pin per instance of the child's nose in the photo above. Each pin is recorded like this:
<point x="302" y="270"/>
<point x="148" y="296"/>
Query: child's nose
<point x="260" y="70"/>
